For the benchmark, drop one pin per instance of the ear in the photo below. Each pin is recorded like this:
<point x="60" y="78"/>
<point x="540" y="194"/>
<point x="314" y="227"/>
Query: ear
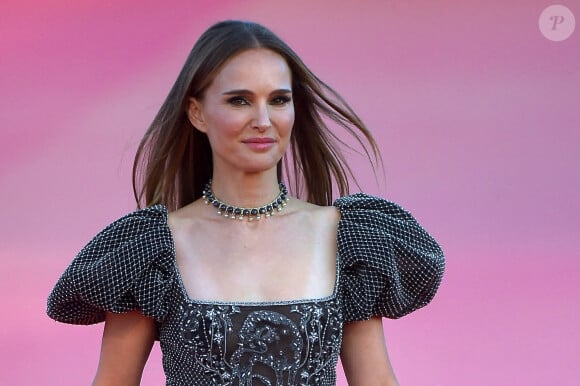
<point x="195" y="115"/>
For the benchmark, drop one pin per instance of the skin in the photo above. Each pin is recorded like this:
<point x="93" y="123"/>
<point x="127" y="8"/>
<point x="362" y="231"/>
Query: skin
<point x="249" y="98"/>
<point x="127" y="342"/>
<point x="364" y="354"/>
<point x="248" y="114"/>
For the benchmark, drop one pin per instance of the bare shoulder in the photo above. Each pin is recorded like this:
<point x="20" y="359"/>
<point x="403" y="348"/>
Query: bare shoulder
<point x="316" y="213"/>
<point x="186" y="216"/>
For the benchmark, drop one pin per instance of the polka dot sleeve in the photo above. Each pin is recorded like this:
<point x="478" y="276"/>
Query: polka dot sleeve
<point x="127" y="266"/>
<point x="390" y="265"/>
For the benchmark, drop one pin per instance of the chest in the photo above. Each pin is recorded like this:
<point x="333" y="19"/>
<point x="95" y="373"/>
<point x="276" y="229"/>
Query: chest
<point x="274" y="261"/>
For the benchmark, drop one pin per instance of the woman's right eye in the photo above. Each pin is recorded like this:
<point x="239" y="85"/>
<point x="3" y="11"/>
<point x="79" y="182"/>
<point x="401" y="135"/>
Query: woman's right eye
<point x="238" y="101"/>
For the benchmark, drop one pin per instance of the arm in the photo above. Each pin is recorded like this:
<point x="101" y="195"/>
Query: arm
<point x="364" y="354"/>
<point x="127" y="342"/>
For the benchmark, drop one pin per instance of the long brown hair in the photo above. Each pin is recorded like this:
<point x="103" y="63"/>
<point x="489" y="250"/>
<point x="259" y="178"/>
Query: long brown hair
<point x="174" y="160"/>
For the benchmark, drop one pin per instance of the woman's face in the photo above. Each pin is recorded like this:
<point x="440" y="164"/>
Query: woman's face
<point x="247" y="112"/>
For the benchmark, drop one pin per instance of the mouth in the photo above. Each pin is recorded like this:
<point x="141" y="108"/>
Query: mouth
<point x="259" y="140"/>
<point x="259" y="144"/>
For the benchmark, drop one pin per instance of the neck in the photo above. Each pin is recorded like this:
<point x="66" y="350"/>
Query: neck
<point x="247" y="190"/>
<point x="244" y="211"/>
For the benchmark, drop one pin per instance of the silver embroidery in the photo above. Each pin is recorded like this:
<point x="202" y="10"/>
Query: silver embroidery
<point x="277" y="345"/>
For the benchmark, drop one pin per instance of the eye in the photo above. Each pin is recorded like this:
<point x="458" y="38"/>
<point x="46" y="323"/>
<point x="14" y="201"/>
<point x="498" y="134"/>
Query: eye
<point x="238" y="101"/>
<point x="281" y="100"/>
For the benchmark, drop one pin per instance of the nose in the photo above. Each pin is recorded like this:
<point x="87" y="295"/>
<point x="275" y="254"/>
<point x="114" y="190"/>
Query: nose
<point x="262" y="119"/>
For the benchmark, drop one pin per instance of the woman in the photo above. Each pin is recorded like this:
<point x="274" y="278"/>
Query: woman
<point x="272" y="289"/>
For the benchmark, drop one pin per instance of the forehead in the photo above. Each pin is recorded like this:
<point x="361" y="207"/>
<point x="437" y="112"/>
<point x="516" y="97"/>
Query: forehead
<point x="255" y="66"/>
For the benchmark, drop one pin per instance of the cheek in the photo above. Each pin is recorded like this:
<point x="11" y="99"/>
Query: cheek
<point x="286" y="122"/>
<point x="224" y="124"/>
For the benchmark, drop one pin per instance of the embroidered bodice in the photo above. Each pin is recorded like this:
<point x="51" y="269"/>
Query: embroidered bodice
<point x="261" y="344"/>
<point x="387" y="265"/>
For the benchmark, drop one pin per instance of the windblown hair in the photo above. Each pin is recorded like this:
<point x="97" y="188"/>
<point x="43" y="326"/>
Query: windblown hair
<point x="174" y="160"/>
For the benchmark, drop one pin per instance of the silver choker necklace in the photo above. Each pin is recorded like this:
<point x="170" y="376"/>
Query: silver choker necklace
<point x="251" y="214"/>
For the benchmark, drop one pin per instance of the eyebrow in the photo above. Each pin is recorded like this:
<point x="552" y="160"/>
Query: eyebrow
<point x="248" y="92"/>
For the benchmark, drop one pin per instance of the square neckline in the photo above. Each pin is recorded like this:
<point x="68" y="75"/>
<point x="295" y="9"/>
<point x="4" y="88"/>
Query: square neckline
<point x="187" y="298"/>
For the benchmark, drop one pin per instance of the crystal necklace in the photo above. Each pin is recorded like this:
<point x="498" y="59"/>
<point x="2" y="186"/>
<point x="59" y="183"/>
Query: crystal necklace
<point x="251" y="214"/>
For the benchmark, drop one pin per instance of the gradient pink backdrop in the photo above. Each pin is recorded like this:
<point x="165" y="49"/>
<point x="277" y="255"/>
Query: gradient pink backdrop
<point x="477" y="114"/>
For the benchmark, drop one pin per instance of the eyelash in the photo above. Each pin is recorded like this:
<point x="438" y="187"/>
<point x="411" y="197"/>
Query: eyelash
<point x="238" y="101"/>
<point x="242" y="101"/>
<point x="282" y="100"/>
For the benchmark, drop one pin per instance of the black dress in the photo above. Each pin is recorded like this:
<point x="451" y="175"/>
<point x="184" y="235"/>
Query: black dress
<point x="387" y="265"/>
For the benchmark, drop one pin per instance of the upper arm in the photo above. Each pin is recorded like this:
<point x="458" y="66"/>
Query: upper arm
<point x="364" y="354"/>
<point x="127" y="342"/>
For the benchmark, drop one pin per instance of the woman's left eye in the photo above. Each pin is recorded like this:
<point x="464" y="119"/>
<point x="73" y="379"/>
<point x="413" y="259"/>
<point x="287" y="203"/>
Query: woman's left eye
<point x="281" y="100"/>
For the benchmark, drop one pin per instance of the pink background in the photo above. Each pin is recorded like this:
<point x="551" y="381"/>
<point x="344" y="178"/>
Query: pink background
<point x="476" y="112"/>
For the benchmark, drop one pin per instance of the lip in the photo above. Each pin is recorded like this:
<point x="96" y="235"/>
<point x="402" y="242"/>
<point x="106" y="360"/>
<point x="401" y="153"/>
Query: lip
<point x="259" y="144"/>
<point x="259" y="140"/>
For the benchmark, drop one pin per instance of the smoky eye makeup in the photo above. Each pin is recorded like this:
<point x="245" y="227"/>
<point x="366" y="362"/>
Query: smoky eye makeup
<point x="238" y="100"/>
<point x="244" y="97"/>
<point x="281" y="99"/>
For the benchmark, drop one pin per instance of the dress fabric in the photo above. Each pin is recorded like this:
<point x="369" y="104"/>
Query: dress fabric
<point x="387" y="265"/>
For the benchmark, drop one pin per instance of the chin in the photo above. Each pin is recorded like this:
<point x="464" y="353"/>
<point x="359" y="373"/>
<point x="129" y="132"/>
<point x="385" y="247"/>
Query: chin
<point x="261" y="162"/>
<point x="261" y="168"/>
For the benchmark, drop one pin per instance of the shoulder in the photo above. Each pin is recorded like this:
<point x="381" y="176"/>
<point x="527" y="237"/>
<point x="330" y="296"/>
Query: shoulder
<point x="311" y="214"/>
<point x="126" y="266"/>
<point x="144" y="229"/>
<point x="319" y="211"/>
<point x="366" y="214"/>
<point x="391" y="265"/>
<point x="362" y="202"/>
<point x="137" y="222"/>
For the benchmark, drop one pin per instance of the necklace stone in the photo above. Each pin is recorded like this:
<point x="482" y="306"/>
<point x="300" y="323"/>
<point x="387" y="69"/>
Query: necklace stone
<point x="235" y="212"/>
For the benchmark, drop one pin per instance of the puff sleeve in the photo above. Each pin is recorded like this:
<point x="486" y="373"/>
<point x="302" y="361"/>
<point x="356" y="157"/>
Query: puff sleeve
<point x="390" y="266"/>
<point x="127" y="266"/>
